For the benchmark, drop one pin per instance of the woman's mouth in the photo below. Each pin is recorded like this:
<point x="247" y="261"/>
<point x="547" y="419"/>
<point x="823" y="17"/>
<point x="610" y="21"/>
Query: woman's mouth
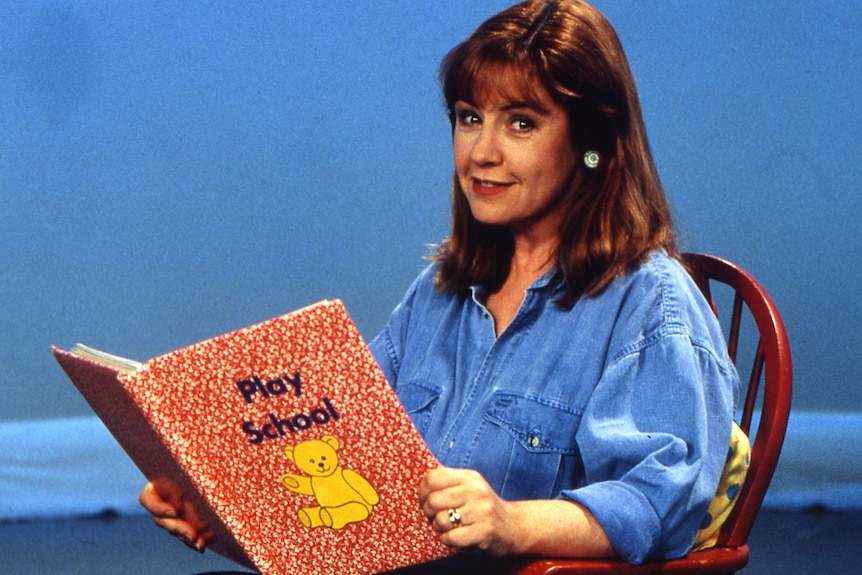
<point x="488" y="187"/>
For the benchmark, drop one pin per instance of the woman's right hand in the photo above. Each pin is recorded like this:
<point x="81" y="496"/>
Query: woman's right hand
<point x="174" y="512"/>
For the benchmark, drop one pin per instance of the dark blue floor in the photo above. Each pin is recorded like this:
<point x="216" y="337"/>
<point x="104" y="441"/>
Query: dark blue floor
<point x="781" y="543"/>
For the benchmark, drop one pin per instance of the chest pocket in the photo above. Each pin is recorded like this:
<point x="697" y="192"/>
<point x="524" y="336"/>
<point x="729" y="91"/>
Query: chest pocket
<point x="419" y="400"/>
<point x="543" y="456"/>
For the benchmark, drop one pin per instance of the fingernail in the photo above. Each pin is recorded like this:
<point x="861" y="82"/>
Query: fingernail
<point x="192" y="544"/>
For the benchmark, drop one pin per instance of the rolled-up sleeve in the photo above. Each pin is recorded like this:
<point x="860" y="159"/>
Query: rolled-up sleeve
<point x="653" y="440"/>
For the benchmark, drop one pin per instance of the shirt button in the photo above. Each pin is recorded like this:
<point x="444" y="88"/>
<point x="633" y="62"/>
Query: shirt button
<point x="535" y="441"/>
<point x="451" y="444"/>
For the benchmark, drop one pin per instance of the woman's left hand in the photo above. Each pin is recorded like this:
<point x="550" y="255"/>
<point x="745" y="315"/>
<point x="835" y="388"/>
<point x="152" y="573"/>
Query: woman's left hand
<point x="466" y="511"/>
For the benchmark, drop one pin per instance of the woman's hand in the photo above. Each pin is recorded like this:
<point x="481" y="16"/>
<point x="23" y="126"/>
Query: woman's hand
<point x="479" y="518"/>
<point x="174" y="512"/>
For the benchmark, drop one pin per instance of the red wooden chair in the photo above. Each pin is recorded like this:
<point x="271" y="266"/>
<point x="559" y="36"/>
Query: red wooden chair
<point x="771" y="352"/>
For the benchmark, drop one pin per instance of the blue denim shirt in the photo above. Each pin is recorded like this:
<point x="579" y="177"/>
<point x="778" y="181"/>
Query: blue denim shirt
<point x="623" y="403"/>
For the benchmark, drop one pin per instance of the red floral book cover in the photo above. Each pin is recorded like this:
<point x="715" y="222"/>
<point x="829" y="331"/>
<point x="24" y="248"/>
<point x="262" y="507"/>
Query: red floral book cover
<point x="299" y="453"/>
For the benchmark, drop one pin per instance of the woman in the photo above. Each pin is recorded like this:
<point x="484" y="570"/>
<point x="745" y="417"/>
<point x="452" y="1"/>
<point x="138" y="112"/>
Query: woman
<point x="556" y="357"/>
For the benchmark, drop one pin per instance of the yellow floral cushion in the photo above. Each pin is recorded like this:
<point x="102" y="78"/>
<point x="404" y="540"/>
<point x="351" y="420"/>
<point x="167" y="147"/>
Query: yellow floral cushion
<point x="732" y="477"/>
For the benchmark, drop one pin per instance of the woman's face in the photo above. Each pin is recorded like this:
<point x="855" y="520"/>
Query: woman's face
<point x="515" y="160"/>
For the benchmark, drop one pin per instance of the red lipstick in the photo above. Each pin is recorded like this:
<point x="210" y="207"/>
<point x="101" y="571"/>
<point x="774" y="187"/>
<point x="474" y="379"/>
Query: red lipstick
<point x="488" y="187"/>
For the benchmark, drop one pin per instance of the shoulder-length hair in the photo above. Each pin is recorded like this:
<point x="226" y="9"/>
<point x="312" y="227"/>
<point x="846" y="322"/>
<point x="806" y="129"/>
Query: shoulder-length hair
<point x="619" y="212"/>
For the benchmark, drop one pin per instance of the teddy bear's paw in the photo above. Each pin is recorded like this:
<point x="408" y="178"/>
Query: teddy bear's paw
<point x="289" y="481"/>
<point x="310" y="517"/>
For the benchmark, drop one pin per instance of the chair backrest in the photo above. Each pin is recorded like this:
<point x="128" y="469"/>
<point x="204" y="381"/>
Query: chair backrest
<point x="770" y="380"/>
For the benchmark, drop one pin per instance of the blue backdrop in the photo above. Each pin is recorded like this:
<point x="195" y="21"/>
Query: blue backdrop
<point x="171" y="170"/>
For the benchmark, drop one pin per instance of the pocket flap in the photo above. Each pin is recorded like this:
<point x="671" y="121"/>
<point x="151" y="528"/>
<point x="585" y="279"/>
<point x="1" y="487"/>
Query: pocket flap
<point x="539" y="426"/>
<point x="417" y="397"/>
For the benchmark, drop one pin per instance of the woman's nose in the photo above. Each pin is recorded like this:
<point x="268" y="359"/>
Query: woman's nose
<point x="485" y="148"/>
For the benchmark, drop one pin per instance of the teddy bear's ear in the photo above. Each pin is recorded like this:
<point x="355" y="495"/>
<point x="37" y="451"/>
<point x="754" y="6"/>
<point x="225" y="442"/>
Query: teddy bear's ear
<point x="332" y="441"/>
<point x="288" y="452"/>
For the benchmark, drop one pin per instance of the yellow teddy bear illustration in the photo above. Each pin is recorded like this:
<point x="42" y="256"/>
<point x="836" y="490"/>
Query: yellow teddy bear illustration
<point x="343" y="496"/>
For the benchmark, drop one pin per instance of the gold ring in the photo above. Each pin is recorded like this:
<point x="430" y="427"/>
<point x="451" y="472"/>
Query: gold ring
<point x="455" y="517"/>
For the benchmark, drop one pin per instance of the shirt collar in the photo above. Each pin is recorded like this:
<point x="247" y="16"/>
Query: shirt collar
<point x="552" y="278"/>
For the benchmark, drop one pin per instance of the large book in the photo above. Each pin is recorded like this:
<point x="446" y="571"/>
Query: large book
<point x="285" y="435"/>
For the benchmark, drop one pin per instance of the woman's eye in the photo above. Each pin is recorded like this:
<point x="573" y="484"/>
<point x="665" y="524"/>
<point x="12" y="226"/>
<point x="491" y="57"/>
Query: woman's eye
<point x="522" y="124"/>
<point x="468" y="118"/>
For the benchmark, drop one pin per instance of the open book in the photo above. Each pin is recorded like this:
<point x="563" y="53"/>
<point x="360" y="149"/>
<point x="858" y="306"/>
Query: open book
<point x="286" y="435"/>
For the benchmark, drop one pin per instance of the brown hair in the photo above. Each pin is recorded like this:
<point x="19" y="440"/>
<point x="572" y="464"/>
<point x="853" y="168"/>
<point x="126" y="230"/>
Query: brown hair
<point x="620" y="212"/>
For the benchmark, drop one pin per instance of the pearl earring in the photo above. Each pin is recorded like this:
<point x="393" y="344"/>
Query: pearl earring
<point x="591" y="159"/>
